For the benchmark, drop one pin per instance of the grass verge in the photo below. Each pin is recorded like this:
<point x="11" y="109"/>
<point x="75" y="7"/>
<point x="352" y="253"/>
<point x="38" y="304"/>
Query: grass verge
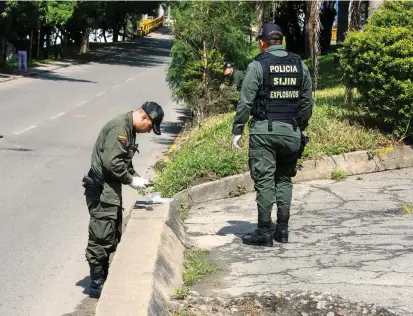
<point x="207" y="154"/>
<point x="338" y="175"/>
<point x="195" y="266"/>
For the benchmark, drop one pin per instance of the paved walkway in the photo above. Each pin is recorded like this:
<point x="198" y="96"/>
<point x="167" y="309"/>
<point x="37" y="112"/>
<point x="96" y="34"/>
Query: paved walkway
<point x="348" y="238"/>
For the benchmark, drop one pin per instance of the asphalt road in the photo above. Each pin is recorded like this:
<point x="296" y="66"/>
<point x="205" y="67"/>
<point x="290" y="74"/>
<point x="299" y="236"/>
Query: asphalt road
<point x="50" y="124"/>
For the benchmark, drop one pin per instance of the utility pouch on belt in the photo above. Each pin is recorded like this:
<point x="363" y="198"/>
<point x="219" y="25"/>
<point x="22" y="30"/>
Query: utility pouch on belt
<point x="93" y="184"/>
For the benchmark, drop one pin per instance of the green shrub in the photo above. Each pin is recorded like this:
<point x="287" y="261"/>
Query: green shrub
<point x="378" y="63"/>
<point x="338" y="175"/>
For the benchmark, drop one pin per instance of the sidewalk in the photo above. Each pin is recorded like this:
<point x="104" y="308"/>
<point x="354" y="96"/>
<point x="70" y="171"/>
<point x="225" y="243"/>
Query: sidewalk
<point x="348" y="241"/>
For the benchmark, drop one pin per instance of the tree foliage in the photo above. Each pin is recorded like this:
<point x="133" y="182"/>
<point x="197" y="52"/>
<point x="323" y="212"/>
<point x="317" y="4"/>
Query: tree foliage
<point x="378" y="63"/>
<point x="69" y="20"/>
<point x="206" y="34"/>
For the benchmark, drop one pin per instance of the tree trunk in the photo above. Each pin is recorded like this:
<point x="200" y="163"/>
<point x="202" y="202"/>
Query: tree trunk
<point x="124" y="32"/>
<point x="104" y="35"/>
<point x="2" y="51"/>
<point x="64" y="40"/>
<point x="38" y="39"/>
<point x="56" y="51"/>
<point x="327" y="20"/>
<point x="115" y="33"/>
<point x="342" y="21"/>
<point x="354" y="15"/>
<point x="30" y="46"/>
<point x="261" y="6"/>
<point x="307" y="51"/>
<point x="84" y="44"/>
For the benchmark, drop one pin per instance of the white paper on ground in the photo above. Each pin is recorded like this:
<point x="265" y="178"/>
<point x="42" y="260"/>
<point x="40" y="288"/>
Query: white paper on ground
<point x="155" y="198"/>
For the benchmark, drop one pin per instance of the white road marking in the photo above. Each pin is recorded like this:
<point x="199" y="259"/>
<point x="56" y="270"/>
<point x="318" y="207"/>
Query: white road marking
<point x="100" y="94"/>
<point x="130" y="79"/>
<point x="117" y="86"/>
<point x="81" y="103"/>
<point x="56" y="116"/>
<point x="25" y="130"/>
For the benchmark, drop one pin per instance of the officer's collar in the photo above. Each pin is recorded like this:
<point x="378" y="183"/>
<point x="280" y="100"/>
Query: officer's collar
<point x="275" y="47"/>
<point x="129" y="121"/>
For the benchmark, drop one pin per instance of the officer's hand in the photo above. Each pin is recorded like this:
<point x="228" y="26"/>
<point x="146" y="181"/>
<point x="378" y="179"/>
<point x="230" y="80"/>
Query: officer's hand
<point x="139" y="183"/>
<point x="235" y="141"/>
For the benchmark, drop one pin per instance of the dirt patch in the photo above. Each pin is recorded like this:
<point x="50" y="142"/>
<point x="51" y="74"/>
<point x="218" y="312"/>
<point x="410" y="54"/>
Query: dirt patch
<point x="279" y="304"/>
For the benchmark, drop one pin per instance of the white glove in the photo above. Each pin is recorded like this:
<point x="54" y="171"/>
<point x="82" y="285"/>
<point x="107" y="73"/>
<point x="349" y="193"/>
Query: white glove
<point x="235" y="141"/>
<point x="139" y="183"/>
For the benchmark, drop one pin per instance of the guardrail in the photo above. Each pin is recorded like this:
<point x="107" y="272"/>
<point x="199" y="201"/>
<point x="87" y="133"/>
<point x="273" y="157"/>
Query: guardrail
<point x="147" y="26"/>
<point x="334" y="34"/>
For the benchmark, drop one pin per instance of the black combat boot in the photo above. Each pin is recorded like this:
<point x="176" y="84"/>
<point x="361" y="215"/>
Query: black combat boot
<point x="97" y="279"/>
<point x="260" y="237"/>
<point x="281" y="229"/>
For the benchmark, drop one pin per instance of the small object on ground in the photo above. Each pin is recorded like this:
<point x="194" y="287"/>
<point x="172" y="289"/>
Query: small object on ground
<point x="155" y="198"/>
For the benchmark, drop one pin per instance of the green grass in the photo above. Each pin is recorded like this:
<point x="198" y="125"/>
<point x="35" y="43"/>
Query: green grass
<point x="183" y="211"/>
<point x="407" y="209"/>
<point x="195" y="234"/>
<point x="241" y="190"/>
<point x="180" y="293"/>
<point x="338" y="175"/>
<point x="195" y="266"/>
<point x="207" y="153"/>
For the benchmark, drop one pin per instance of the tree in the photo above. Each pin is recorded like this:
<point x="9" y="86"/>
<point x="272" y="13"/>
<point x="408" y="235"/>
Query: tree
<point x="327" y="17"/>
<point x="342" y="21"/>
<point x="57" y="14"/>
<point x="205" y="33"/>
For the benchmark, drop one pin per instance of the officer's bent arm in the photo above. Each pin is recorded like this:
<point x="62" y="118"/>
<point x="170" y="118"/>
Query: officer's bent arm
<point x="132" y="171"/>
<point x="305" y="103"/>
<point x="114" y="155"/>
<point x="247" y="95"/>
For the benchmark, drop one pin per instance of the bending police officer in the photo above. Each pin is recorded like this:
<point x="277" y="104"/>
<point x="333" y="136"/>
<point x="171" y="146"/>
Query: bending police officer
<point x="236" y="75"/>
<point x="235" y="79"/>
<point x="111" y="166"/>
<point x="277" y="92"/>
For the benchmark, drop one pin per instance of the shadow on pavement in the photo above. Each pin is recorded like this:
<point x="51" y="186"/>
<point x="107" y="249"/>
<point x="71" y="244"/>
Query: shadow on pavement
<point x="142" y="52"/>
<point x="85" y="282"/>
<point x="54" y="77"/>
<point x="237" y="228"/>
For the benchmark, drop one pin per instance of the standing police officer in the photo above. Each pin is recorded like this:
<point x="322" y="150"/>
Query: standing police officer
<point x="277" y="92"/>
<point x="111" y="167"/>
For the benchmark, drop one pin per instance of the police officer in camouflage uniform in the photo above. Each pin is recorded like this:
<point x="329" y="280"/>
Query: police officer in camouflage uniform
<point x="277" y="92"/>
<point x="111" y="167"/>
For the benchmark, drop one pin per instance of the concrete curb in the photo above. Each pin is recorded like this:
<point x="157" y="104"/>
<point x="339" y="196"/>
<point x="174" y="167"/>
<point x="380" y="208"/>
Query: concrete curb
<point x="147" y="265"/>
<point x="353" y="163"/>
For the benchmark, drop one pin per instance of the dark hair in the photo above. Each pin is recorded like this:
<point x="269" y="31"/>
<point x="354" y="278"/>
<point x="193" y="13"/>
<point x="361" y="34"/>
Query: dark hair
<point x="274" y="41"/>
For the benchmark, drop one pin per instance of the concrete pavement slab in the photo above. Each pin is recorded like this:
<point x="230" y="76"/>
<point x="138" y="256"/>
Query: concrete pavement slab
<point x="348" y="238"/>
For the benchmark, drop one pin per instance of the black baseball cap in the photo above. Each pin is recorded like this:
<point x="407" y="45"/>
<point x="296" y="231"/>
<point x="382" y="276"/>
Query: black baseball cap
<point x="227" y="65"/>
<point x="269" y="31"/>
<point x="155" y="113"/>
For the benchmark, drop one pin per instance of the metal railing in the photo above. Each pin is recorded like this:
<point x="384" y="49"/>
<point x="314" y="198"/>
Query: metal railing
<point x="334" y="34"/>
<point x="147" y="26"/>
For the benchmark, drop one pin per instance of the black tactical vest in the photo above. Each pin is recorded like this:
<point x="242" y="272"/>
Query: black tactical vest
<point x="277" y="99"/>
